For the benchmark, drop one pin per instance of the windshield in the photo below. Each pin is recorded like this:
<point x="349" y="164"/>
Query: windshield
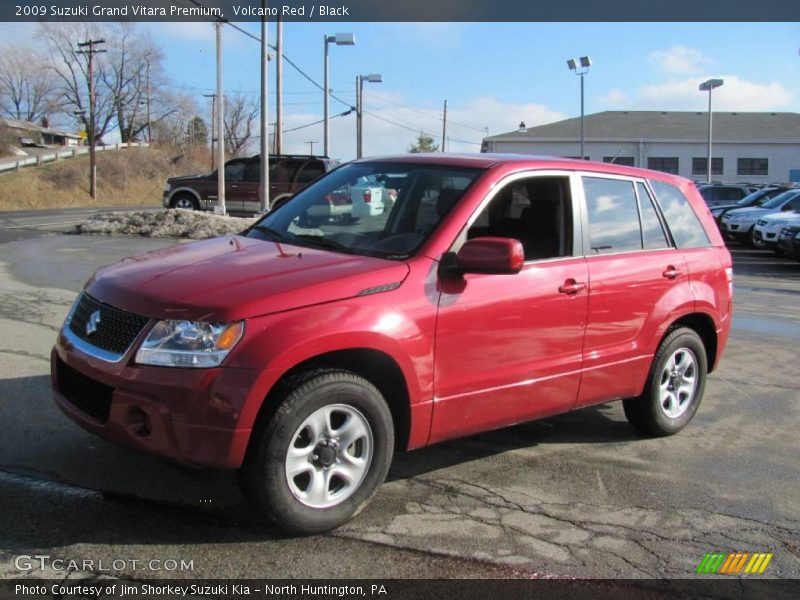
<point x="377" y="209"/>
<point x="756" y="198"/>
<point x="779" y="200"/>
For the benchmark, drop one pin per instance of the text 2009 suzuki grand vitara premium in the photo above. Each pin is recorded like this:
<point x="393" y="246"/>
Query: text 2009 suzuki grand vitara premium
<point x="495" y="289"/>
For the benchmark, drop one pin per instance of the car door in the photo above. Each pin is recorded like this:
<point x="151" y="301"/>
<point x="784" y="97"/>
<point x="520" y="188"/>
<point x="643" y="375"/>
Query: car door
<point x="234" y="171"/>
<point x="637" y="279"/>
<point x="247" y="191"/>
<point x="508" y="347"/>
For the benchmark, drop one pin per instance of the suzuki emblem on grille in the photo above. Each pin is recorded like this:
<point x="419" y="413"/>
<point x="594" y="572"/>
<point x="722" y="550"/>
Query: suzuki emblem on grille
<point x="94" y="321"/>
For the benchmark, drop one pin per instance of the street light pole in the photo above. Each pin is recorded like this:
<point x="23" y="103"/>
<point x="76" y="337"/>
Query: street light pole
<point x="340" y="39"/>
<point x="707" y="86"/>
<point x="371" y="78"/>
<point x="220" y="125"/>
<point x="263" y="188"/>
<point x="585" y="62"/>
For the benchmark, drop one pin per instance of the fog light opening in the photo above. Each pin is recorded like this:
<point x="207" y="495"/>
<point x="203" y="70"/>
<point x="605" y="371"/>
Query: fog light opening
<point x="138" y="422"/>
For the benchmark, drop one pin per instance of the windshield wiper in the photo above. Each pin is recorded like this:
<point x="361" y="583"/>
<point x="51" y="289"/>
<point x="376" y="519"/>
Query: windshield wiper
<point x="323" y="242"/>
<point x="280" y="237"/>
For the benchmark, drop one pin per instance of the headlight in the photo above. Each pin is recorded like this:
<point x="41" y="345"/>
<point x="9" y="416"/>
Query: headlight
<point x="717" y="211"/>
<point x="189" y="344"/>
<point x="167" y="187"/>
<point x="797" y="235"/>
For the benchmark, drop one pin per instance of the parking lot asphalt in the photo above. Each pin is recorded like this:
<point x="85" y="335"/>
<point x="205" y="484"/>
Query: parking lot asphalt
<point x="579" y="495"/>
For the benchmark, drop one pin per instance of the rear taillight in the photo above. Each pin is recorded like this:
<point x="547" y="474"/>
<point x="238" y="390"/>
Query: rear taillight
<point x="729" y="276"/>
<point x="367" y="196"/>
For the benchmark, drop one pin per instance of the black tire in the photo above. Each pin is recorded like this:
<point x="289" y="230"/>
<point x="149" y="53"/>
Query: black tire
<point x="754" y="241"/>
<point x="647" y="412"/>
<point x="184" y="201"/>
<point x="263" y="476"/>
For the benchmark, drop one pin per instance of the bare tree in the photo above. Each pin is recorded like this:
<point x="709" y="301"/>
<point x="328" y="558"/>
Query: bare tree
<point x="72" y="74"/>
<point x="241" y="113"/>
<point x="27" y="87"/>
<point x="171" y="129"/>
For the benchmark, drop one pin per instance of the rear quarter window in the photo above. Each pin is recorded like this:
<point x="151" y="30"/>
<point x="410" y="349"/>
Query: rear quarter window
<point x="686" y="228"/>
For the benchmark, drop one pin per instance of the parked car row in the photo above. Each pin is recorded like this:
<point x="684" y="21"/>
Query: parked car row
<point x="762" y="219"/>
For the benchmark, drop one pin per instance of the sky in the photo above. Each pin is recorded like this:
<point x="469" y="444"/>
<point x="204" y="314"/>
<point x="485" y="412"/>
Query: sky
<point x="493" y="75"/>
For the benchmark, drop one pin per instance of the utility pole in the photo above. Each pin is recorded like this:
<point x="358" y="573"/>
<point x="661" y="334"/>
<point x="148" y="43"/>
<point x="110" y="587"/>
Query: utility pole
<point x="263" y="187"/>
<point x="358" y="116"/>
<point x="213" y="120"/>
<point x="88" y="48"/>
<point x="149" y="123"/>
<point x="311" y="146"/>
<point x="279" y="88"/>
<point x="220" y="125"/>
<point x="444" y="126"/>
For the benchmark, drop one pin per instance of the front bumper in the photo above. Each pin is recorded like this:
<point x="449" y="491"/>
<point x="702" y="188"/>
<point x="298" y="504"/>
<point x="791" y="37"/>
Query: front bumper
<point x="188" y="416"/>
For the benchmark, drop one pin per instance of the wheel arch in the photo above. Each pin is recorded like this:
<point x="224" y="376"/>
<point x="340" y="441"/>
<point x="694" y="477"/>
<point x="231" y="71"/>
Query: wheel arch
<point x="377" y="367"/>
<point x="703" y="325"/>
<point x="185" y="190"/>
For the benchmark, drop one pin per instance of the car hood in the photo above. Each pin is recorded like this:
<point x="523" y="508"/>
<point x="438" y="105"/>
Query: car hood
<point x="183" y="178"/>
<point x="231" y="278"/>
<point x="787" y="217"/>
<point x="749" y="212"/>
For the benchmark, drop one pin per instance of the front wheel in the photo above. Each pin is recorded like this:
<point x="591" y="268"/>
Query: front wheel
<point x="755" y="241"/>
<point x="185" y="202"/>
<point x="323" y="454"/>
<point x="674" y="387"/>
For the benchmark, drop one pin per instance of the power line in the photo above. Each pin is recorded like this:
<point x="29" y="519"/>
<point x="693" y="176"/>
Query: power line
<point x="431" y="114"/>
<point x="286" y="58"/>
<point x="419" y="130"/>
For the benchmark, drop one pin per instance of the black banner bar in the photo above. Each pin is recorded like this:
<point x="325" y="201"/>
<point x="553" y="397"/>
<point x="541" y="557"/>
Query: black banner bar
<point x="401" y="10"/>
<point x="709" y="587"/>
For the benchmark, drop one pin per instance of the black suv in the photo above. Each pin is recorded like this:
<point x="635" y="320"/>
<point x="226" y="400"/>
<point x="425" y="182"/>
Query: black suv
<point x="288" y="174"/>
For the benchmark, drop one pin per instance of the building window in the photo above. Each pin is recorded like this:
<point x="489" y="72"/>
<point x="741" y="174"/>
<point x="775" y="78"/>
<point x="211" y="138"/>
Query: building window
<point x="752" y="166"/>
<point x="668" y="164"/>
<point x="700" y="166"/>
<point x="626" y="161"/>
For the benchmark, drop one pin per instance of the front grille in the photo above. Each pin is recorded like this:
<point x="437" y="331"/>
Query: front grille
<point x="115" y="329"/>
<point x="86" y="394"/>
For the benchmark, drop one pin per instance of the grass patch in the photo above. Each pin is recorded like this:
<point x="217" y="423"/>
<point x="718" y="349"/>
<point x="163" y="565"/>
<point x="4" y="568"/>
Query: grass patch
<point x="133" y="176"/>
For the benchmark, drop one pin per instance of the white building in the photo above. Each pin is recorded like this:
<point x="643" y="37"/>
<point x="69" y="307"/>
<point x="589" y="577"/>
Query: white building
<point x="747" y="146"/>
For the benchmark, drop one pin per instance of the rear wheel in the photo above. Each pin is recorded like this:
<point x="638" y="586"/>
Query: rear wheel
<point x="323" y="454"/>
<point x="674" y="387"/>
<point x="184" y="201"/>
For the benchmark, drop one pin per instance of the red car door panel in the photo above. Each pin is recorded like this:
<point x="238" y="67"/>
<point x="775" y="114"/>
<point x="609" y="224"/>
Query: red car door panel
<point x="508" y="347"/>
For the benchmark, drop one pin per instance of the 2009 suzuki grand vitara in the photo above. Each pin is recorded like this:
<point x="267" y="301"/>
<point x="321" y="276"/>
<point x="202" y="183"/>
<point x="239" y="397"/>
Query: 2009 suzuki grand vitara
<point x="493" y="290"/>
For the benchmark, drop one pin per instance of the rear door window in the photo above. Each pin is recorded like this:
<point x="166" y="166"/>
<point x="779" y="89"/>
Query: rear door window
<point x="613" y="215"/>
<point x="686" y="228"/>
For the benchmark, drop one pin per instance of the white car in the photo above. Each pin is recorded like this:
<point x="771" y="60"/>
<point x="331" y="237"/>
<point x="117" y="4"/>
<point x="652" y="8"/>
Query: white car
<point x="740" y="223"/>
<point x="371" y="198"/>
<point x="767" y="228"/>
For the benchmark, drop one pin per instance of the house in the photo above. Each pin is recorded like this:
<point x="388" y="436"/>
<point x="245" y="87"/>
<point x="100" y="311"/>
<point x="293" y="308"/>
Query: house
<point x="31" y="134"/>
<point x="758" y="147"/>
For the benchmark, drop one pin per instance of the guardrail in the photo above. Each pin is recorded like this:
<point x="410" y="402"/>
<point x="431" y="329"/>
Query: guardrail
<point x="36" y="161"/>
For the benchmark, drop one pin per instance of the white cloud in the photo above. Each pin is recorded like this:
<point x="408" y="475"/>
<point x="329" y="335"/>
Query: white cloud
<point x="466" y="123"/>
<point x="679" y="60"/>
<point x="736" y="94"/>
<point x="615" y="97"/>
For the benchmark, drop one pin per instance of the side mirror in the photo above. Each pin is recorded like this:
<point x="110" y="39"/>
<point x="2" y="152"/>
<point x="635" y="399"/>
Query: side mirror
<point x="497" y="255"/>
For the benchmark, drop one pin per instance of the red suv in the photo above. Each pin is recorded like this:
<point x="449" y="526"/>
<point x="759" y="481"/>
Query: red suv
<point x="494" y="290"/>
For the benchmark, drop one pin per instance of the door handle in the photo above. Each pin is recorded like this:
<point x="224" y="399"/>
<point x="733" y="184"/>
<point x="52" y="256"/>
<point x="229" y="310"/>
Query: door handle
<point x="671" y="272"/>
<point x="572" y="287"/>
